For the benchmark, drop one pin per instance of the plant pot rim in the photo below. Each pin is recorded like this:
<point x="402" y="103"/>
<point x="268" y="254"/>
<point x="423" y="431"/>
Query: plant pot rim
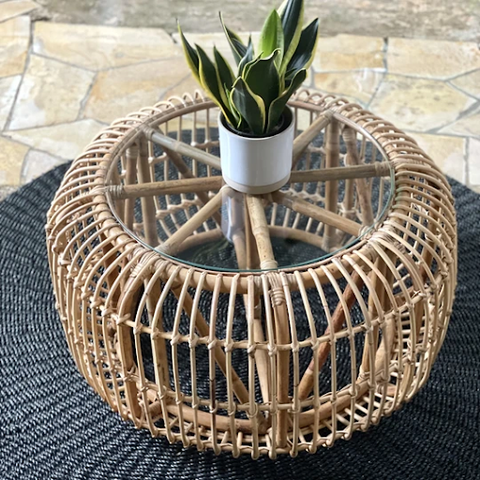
<point x="286" y="120"/>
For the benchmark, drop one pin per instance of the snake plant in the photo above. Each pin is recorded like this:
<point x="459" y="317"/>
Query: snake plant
<point x="254" y="98"/>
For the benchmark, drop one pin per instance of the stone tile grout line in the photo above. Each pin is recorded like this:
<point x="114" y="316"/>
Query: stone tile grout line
<point x="19" y="86"/>
<point x="374" y="94"/>
<point x="463" y="74"/>
<point x="24" y="163"/>
<point x="63" y="62"/>
<point x="464" y="114"/>
<point x="84" y="100"/>
<point x="474" y="97"/>
<point x="385" y="53"/>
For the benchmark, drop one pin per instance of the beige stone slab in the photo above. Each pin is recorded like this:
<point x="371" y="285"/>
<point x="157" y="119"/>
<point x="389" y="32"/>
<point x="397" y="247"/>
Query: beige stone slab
<point x="349" y="52"/>
<point x="447" y="152"/>
<point x="11" y="161"/>
<point x="360" y="84"/>
<point x="468" y="125"/>
<point x="99" y="47"/>
<point x="469" y="83"/>
<point x="15" y="8"/>
<point x="51" y="92"/>
<point x="123" y="90"/>
<point x="14" y="40"/>
<point x="6" y="190"/>
<point x="187" y="85"/>
<point x="474" y="162"/>
<point x="65" y="141"/>
<point x="431" y="58"/>
<point x="418" y="104"/>
<point x="37" y="163"/>
<point x="8" y="89"/>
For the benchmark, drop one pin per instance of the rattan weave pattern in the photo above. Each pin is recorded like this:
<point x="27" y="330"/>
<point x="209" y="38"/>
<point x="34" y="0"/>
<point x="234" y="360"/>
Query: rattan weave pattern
<point x="113" y="294"/>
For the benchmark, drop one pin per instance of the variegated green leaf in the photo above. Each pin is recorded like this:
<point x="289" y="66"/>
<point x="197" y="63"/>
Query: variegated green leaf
<point x="191" y="55"/>
<point x="271" y="37"/>
<point x="278" y="105"/>
<point x="224" y="75"/>
<point x="238" y="48"/>
<point x="209" y="80"/>
<point x="292" y="20"/>
<point x="236" y="115"/>
<point x="303" y="56"/>
<point x="250" y="106"/>
<point x="282" y="7"/>
<point x="247" y="58"/>
<point x="255" y="101"/>
<point x="224" y="71"/>
<point x="263" y="79"/>
<point x="248" y="66"/>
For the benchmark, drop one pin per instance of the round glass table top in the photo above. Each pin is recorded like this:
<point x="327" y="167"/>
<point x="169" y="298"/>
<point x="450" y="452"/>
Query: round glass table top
<point x="181" y="207"/>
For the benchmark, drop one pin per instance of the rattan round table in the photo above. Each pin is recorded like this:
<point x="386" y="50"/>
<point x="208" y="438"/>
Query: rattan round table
<point x="260" y="324"/>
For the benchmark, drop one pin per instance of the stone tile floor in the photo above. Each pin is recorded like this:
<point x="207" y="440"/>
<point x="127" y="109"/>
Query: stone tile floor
<point x="61" y="83"/>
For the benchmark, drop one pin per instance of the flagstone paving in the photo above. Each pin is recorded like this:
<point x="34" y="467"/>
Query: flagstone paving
<point x="357" y="84"/>
<point x="16" y="7"/>
<point x="468" y="125"/>
<point x="349" y="52"/>
<point x="431" y="58"/>
<point x="61" y="83"/>
<point x="419" y="104"/>
<point x="51" y="93"/>
<point x="65" y="140"/>
<point x="469" y="83"/>
<point x="8" y="91"/>
<point x="36" y="163"/>
<point x="99" y="47"/>
<point x="474" y="164"/>
<point x="12" y="155"/>
<point x="14" y="42"/>
<point x="119" y="91"/>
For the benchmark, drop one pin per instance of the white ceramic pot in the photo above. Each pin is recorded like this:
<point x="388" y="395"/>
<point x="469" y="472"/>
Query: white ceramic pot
<point x="256" y="164"/>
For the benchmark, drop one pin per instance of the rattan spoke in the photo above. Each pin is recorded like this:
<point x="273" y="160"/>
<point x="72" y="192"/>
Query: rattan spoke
<point x="318" y="213"/>
<point x="173" y="244"/>
<point x="207" y="184"/>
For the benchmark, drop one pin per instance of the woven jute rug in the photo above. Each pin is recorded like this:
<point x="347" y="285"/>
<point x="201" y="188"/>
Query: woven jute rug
<point x="53" y="426"/>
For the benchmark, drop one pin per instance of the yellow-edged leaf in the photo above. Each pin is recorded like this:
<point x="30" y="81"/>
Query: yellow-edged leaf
<point x="305" y="52"/>
<point x="292" y="21"/>
<point x="209" y="81"/>
<point x="225" y="76"/>
<point x="238" y="48"/>
<point x="263" y="79"/>
<point x="278" y="105"/>
<point x="250" y="106"/>
<point x="191" y="55"/>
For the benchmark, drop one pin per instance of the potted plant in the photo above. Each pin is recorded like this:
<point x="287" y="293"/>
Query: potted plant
<point x="256" y="126"/>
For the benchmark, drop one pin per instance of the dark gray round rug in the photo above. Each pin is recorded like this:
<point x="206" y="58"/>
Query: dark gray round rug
<point x="53" y="426"/>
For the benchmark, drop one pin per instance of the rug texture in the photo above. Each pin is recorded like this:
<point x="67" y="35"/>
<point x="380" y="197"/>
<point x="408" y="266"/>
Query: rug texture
<point x="53" y="425"/>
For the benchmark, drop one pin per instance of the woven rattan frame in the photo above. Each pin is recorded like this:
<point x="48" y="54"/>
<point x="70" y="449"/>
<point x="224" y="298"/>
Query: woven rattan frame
<point x="401" y="275"/>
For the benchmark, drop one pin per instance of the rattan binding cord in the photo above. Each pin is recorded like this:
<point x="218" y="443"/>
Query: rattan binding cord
<point x="393" y="289"/>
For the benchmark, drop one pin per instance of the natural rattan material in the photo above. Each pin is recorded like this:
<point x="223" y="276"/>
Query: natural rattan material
<point x="279" y="381"/>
